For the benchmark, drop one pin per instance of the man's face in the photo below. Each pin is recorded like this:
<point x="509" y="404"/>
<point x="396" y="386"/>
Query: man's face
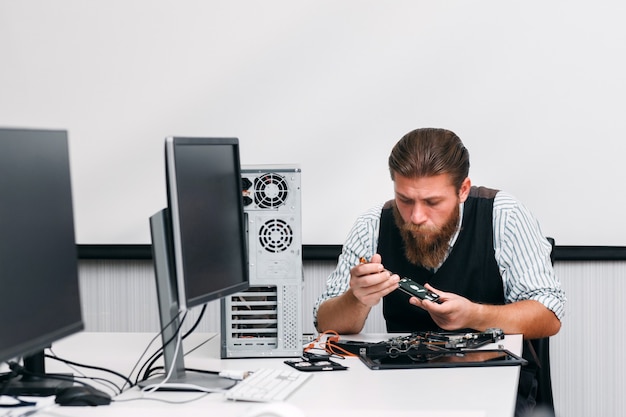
<point x="428" y="211"/>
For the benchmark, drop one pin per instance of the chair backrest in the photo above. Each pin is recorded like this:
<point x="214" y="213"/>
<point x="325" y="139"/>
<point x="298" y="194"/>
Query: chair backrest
<point x="544" y="380"/>
<point x="542" y="351"/>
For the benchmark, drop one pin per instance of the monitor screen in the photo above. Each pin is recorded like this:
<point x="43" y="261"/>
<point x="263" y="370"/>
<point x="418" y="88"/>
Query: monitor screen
<point x="206" y="208"/>
<point x="199" y="245"/>
<point x="38" y="255"/>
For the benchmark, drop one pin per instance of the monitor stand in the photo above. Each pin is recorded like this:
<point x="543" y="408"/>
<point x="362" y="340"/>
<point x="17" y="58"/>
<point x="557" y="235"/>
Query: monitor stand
<point x="35" y="382"/>
<point x="167" y="295"/>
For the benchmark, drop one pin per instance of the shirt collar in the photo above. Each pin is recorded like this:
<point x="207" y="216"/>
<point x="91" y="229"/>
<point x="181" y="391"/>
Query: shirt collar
<point x="458" y="226"/>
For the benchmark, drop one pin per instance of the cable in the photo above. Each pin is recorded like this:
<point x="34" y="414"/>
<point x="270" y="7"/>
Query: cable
<point x="159" y="353"/>
<point x="97" y="368"/>
<point x="6" y="379"/>
<point x="40" y="405"/>
<point x="334" y="349"/>
<point x="200" y="396"/>
<point x="328" y="345"/>
<point x="179" y="344"/>
<point x="150" y="361"/>
<point x="187" y="352"/>
<point x="139" y="360"/>
<point x="156" y="355"/>
<point x="19" y="403"/>
<point x="23" y="371"/>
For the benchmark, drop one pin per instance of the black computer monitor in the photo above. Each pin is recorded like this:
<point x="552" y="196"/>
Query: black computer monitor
<point x="198" y="243"/>
<point x="39" y="288"/>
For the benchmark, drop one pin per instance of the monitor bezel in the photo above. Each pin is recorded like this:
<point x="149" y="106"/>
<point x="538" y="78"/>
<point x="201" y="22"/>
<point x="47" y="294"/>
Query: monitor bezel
<point x="53" y="145"/>
<point x="171" y="144"/>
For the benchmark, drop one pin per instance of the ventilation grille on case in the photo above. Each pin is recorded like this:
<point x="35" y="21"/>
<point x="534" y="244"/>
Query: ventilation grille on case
<point x="270" y="190"/>
<point x="291" y="331"/>
<point x="254" y="317"/>
<point x="275" y="235"/>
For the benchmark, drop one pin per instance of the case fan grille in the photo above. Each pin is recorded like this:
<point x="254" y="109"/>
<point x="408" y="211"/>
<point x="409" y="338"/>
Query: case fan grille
<point x="270" y="190"/>
<point x="275" y="235"/>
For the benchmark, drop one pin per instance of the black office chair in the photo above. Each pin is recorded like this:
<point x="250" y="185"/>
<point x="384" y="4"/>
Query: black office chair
<point x="544" y="381"/>
<point x="542" y="355"/>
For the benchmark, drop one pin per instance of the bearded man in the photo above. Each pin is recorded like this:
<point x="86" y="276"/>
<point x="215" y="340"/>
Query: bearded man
<point x="479" y="249"/>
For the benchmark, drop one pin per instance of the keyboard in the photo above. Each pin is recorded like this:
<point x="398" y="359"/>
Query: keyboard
<point x="265" y="385"/>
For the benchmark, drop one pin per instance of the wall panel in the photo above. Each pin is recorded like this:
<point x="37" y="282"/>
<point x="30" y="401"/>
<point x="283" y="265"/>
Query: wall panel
<point x="587" y="362"/>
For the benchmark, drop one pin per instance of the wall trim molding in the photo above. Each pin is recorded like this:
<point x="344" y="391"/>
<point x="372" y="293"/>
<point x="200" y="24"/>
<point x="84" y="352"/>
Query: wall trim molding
<point x="331" y="252"/>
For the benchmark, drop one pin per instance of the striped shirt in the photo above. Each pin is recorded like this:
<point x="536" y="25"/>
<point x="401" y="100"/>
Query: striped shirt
<point x="521" y="250"/>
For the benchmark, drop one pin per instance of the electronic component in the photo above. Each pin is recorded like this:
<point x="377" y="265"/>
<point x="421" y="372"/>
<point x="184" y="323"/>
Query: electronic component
<point x="412" y="288"/>
<point x="314" y="364"/>
<point x="417" y="290"/>
<point x="422" y="342"/>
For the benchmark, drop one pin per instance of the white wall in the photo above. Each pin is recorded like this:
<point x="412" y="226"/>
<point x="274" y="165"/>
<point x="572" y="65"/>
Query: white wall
<point x="534" y="88"/>
<point x="588" y="366"/>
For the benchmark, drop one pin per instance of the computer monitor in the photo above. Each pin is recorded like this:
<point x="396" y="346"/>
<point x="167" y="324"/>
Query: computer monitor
<point x="198" y="243"/>
<point x="39" y="288"/>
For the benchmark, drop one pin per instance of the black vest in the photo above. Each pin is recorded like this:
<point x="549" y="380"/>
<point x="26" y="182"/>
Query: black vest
<point x="470" y="269"/>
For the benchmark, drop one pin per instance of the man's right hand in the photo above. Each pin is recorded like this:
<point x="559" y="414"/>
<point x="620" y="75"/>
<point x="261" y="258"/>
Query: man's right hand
<point x="370" y="282"/>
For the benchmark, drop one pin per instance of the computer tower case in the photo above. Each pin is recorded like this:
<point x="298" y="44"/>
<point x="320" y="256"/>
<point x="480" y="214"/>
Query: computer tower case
<point x="266" y="319"/>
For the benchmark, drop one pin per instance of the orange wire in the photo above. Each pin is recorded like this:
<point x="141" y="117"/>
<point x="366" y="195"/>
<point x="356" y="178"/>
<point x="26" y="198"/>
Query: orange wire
<point x="327" y="345"/>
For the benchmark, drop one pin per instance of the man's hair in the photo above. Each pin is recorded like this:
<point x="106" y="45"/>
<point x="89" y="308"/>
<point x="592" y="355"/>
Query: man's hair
<point x="428" y="152"/>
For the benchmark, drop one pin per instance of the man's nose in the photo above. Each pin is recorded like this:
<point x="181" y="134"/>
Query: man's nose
<point x="418" y="214"/>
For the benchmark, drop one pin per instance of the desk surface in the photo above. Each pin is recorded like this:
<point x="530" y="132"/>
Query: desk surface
<point x="358" y="391"/>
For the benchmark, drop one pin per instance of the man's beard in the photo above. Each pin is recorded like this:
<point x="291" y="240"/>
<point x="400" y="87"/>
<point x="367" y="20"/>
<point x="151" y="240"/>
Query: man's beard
<point x="426" y="245"/>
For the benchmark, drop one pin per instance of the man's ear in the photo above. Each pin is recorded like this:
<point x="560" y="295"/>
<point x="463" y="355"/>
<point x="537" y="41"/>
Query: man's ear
<point x="465" y="189"/>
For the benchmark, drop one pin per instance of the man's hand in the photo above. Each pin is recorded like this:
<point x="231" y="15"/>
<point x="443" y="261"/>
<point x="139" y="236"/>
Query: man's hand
<point x="454" y="312"/>
<point x="346" y="313"/>
<point x="527" y="317"/>
<point x="370" y="282"/>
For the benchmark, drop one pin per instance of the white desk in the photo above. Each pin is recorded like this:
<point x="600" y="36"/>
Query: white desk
<point x="358" y="391"/>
